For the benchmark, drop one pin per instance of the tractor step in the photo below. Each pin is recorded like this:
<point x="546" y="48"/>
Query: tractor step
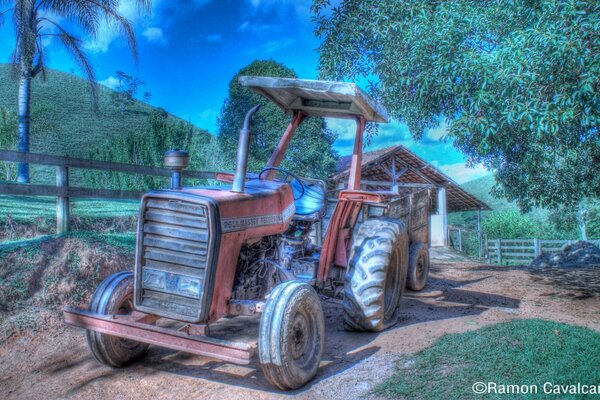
<point x="141" y="330"/>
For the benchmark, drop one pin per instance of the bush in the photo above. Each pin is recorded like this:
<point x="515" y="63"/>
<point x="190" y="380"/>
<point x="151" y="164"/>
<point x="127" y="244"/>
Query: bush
<point x="508" y="225"/>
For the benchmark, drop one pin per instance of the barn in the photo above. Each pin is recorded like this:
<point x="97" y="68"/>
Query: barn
<point x="398" y="169"/>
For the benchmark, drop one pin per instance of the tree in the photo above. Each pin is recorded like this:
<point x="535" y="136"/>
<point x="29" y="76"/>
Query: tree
<point x="310" y="152"/>
<point x="33" y="21"/>
<point x="124" y="93"/>
<point x="517" y="82"/>
<point x="142" y="147"/>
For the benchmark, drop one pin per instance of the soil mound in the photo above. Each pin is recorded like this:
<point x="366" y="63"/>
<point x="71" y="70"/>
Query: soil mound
<point x="576" y="255"/>
<point x="37" y="281"/>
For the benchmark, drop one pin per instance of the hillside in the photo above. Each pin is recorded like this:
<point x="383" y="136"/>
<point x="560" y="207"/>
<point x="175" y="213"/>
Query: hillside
<point x="64" y="123"/>
<point x="481" y="188"/>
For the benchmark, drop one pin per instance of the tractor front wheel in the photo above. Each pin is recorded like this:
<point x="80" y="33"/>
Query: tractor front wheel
<point x="291" y="335"/>
<point x="114" y="296"/>
<point x="376" y="275"/>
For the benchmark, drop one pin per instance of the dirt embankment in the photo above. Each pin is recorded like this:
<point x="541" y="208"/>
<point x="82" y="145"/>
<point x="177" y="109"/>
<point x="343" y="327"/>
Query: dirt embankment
<point x="37" y="280"/>
<point x="11" y="229"/>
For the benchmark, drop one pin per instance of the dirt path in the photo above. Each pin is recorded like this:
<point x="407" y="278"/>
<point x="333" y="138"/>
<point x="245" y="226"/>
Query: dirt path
<point x="462" y="295"/>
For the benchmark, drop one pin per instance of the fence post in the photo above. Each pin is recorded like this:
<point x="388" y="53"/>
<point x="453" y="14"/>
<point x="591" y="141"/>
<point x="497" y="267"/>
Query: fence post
<point x="479" y="239"/>
<point x="537" y="247"/>
<point x="63" y="218"/>
<point x="459" y="240"/>
<point x="499" y="249"/>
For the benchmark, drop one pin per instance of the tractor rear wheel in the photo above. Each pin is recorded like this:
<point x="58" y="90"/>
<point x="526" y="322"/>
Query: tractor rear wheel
<point x="376" y="275"/>
<point x="291" y="335"/>
<point x="418" y="266"/>
<point x="114" y="296"/>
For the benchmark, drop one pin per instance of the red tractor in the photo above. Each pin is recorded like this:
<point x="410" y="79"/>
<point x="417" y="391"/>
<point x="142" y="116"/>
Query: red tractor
<point x="244" y="248"/>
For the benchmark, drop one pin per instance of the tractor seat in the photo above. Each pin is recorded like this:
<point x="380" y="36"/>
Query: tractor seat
<point x="313" y="204"/>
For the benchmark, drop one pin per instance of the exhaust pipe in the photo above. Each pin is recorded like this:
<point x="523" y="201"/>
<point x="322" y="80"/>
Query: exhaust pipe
<point x="239" y="180"/>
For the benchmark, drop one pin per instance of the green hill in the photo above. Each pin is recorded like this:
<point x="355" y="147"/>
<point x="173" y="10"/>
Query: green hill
<point x="481" y="188"/>
<point x="64" y="123"/>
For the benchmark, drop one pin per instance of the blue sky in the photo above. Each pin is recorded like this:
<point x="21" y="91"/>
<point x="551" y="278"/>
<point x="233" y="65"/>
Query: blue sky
<point x="189" y="50"/>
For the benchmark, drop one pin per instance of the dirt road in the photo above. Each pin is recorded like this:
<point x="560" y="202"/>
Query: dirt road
<point x="462" y="295"/>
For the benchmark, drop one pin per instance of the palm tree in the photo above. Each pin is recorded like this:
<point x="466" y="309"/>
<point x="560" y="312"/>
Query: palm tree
<point x="36" y="19"/>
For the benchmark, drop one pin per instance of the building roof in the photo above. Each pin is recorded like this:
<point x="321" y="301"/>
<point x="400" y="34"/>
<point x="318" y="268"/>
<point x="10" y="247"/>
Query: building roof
<point x="412" y="169"/>
<point x="318" y="98"/>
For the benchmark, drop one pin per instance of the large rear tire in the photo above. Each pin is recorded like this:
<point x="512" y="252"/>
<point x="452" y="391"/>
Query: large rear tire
<point x="114" y="296"/>
<point x="376" y="275"/>
<point x="418" y="267"/>
<point x="291" y="335"/>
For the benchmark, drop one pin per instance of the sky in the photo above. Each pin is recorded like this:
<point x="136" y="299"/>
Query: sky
<point x="190" y="49"/>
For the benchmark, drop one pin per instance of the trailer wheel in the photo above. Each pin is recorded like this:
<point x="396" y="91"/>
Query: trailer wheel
<point x="291" y="335"/>
<point x="376" y="275"/>
<point x="114" y="296"/>
<point x="418" y="267"/>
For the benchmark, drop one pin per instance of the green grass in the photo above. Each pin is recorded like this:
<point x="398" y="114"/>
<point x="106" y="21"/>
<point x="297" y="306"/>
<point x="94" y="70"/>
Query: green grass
<point x="520" y="352"/>
<point x="27" y="208"/>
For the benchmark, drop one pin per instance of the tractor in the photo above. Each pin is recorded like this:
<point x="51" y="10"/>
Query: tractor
<point x="243" y="247"/>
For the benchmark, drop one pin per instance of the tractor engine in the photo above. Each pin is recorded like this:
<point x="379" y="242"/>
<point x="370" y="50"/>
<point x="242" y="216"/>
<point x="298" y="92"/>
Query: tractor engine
<point x="274" y="259"/>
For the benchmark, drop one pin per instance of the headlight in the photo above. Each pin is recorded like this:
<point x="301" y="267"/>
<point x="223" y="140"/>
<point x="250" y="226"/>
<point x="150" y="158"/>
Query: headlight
<point x="153" y="279"/>
<point x="188" y="286"/>
<point x="168" y="282"/>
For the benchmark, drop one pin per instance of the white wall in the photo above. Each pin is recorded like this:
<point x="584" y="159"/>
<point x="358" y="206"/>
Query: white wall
<point x="439" y="222"/>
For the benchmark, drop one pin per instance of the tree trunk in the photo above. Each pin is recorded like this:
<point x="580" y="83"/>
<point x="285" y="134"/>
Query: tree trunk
<point x="583" y="228"/>
<point x="26" y="51"/>
<point x="24" y="117"/>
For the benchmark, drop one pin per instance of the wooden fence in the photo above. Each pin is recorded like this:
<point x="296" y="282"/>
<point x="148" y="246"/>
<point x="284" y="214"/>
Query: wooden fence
<point x="523" y="251"/>
<point x="63" y="191"/>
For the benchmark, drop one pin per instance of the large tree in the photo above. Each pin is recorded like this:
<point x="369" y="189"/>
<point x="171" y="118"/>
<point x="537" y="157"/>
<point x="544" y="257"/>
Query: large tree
<point x="517" y="82"/>
<point x="310" y="153"/>
<point x="35" y="20"/>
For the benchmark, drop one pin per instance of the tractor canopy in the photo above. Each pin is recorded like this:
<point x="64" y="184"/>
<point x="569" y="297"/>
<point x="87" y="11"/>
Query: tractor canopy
<point x="317" y="98"/>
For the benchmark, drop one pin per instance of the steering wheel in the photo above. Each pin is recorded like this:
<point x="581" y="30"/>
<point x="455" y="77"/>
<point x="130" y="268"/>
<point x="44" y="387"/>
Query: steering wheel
<point x="285" y="178"/>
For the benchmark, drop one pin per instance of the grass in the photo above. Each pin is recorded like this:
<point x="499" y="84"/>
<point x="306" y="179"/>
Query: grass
<point x="520" y="352"/>
<point x="27" y="208"/>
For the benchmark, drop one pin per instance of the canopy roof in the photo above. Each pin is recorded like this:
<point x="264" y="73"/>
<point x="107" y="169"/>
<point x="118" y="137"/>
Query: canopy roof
<point x="410" y="169"/>
<point x="318" y="98"/>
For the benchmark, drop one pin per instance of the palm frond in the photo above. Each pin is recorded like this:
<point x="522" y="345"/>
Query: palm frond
<point x="82" y="12"/>
<point x="73" y="46"/>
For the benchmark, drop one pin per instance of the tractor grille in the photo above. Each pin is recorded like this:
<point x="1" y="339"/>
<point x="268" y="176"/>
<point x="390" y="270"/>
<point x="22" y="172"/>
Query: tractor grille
<point x="174" y="248"/>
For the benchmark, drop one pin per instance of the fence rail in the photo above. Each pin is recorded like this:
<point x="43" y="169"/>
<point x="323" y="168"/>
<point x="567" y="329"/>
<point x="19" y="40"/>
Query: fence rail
<point x="63" y="191"/>
<point x="521" y="251"/>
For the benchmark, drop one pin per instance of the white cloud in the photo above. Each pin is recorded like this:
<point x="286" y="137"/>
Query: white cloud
<point x="110" y="82"/>
<point x="155" y="35"/>
<point x="215" y="37"/>
<point x="244" y="26"/>
<point x="275" y="45"/>
<point x="258" y="28"/>
<point x="300" y="7"/>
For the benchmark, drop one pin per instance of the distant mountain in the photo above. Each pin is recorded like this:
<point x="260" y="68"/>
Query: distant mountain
<point x="481" y="188"/>
<point x="63" y="121"/>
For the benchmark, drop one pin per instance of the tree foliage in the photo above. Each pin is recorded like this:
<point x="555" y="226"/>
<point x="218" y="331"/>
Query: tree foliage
<point x="509" y="225"/>
<point x="310" y="152"/>
<point x="124" y="94"/>
<point x="517" y="81"/>
<point x="141" y="148"/>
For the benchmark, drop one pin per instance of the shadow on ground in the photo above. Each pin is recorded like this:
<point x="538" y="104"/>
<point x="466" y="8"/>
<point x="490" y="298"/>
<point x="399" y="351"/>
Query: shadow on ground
<point x="442" y="299"/>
